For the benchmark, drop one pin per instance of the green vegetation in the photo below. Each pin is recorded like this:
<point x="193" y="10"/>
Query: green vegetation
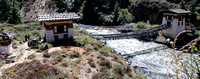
<point x="74" y="54"/>
<point x="125" y="17"/>
<point x="10" y="11"/>
<point x="42" y="46"/>
<point x="141" y="25"/>
<point x="49" y="77"/>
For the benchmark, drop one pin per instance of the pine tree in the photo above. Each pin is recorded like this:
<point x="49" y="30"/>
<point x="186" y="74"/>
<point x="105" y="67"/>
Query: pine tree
<point x="60" y="4"/>
<point x="5" y="10"/>
<point x="193" y="14"/>
<point x="116" y="13"/>
<point x="90" y="12"/>
<point x="182" y="5"/>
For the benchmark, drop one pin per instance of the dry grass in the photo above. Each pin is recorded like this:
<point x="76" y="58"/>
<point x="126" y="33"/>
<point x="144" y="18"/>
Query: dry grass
<point x="31" y="70"/>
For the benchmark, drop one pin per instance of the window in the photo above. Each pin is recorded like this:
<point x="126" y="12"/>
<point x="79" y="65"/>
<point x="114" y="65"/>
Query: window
<point x="55" y="29"/>
<point x="178" y="23"/>
<point x="180" y="18"/>
<point x="65" y="29"/>
<point x="169" y="17"/>
<point x="60" y="29"/>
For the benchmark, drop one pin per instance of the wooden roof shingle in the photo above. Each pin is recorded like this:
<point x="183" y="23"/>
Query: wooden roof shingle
<point x="58" y="17"/>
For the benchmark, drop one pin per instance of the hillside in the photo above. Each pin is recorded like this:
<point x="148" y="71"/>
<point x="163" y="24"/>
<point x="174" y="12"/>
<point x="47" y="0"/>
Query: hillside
<point x="30" y="8"/>
<point x="78" y="57"/>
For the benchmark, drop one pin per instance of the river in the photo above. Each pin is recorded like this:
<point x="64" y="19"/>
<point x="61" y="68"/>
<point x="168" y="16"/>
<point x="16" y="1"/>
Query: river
<point x="150" y="59"/>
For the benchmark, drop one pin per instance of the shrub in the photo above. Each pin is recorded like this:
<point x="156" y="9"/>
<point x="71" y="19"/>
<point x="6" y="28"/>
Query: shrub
<point x="31" y="56"/>
<point x="50" y="77"/>
<point x="74" y="54"/>
<point x="42" y="46"/>
<point x="82" y="40"/>
<point x="108" y="74"/>
<point x="84" y="32"/>
<point x="89" y="48"/>
<point x="75" y="62"/>
<point x="119" y="69"/>
<point x="106" y="63"/>
<point x="65" y="64"/>
<point x="105" y="50"/>
<point x="96" y="47"/>
<point x="92" y="63"/>
<point x="141" y="25"/>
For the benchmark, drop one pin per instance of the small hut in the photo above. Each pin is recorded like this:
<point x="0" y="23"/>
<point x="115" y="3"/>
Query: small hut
<point x="5" y="43"/>
<point x="176" y="19"/>
<point x="58" y="26"/>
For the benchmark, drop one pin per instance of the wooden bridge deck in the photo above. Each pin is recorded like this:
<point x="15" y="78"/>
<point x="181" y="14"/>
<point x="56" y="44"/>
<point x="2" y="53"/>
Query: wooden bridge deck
<point x="137" y="34"/>
<point x="121" y="27"/>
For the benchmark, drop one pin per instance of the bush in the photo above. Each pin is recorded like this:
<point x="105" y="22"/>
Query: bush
<point x="49" y="77"/>
<point x="89" y="48"/>
<point x="82" y="40"/>
<point x="58" y="52"/>
<point x="119" y="69"/>
<point x="42" y="46"/>
<point x="74" y="54"/>
<point x="141" y="25"/>
<point x="92" y="63"/>
<point x="106" y="63"/>
<point x="108" y="74"/>
<point x="105" y="50"/>
<point x="84" y="32"/>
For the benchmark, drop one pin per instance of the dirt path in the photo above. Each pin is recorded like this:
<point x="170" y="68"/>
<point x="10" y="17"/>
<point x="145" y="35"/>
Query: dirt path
<point x="74" y="72"/>
<point x="23" y="57"/>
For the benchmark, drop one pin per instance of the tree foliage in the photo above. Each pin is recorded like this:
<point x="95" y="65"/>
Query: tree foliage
<point x="116" y="13"/>
<point x="90" y="12"/>
<point x="10" y="11"/>
<point x="125" y="17"/>
<point x="182" y="5"/>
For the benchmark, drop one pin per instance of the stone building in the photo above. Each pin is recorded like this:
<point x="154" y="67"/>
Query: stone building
<point x="58" y="26"/>
<point x="176" y="19"/>
<point x="5" y="43"/>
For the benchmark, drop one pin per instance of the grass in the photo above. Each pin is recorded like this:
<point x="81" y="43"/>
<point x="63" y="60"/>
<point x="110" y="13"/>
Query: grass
<point x="74" y="54"/>
<point x="119" y="69"/>
<point x="49" y="77"/>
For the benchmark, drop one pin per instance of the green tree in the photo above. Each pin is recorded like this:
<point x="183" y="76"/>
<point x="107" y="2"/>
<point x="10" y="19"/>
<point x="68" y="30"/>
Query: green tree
<point x="90" y="12"/>
<point x="116" y="14"/>
<point x="125" y="17"/>
<point x="182" y="5"/>
<point x="193" y="14"/>
<point x="15" y="17"/>
<point x="60" y="4"/>
<point x="10" y="11"/>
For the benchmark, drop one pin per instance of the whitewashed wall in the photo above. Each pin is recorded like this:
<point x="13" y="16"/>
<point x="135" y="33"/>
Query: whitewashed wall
<point x="70" y="32"/>
<point x="49" y="35"/>
<point x="174" y="29"/>
<point x="6" y="49"/>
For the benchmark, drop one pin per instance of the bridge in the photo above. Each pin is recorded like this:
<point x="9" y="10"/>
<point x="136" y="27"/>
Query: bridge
<point x="136" y="34"/>
<point x="119" y="28"/>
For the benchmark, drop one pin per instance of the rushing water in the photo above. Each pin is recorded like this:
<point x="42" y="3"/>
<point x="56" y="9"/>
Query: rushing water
<point x="148" y="58"/>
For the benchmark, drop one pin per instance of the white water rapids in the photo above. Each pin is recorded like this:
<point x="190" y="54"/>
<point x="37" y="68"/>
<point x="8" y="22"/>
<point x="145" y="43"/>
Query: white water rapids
<point x="148" y="58"/>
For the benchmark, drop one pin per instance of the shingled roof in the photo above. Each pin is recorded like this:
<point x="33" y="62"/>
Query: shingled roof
<point x="58" y="17"/>
<point x="178" y="11"/>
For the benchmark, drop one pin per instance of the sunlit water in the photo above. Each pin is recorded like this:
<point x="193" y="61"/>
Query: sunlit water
<point x="148" y="58"/>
